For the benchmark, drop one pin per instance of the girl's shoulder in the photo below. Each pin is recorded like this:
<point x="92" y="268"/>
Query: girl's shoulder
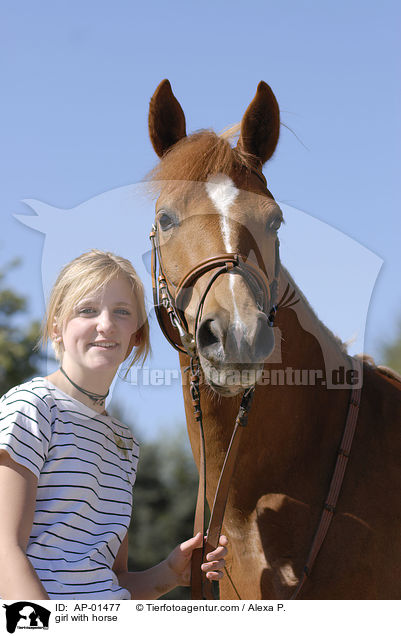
<point x="32" y="394"/>
<point x="26" y="417"/>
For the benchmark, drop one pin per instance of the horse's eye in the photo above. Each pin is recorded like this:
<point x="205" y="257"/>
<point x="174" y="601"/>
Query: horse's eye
<point x="274" y="223"/>
<point x="166" y="220"/>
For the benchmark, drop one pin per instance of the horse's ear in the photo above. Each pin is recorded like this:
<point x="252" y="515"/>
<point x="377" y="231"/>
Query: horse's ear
<point x="166" y="119"/>
<point x="260" y="126"/>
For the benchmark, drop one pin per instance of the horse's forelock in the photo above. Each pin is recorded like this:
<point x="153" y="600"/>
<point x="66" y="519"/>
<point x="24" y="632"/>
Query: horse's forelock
<point x="198" y="157"/>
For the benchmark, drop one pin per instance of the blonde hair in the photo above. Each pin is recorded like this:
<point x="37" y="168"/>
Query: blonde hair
<point x="85" y="274"/>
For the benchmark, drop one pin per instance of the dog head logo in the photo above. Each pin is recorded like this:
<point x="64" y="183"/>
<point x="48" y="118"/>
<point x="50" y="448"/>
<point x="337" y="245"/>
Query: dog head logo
<point x="25" y="615"/>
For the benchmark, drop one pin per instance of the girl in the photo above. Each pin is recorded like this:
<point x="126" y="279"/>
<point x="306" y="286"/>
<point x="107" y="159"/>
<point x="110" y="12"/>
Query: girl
<point x="66" y="467"/>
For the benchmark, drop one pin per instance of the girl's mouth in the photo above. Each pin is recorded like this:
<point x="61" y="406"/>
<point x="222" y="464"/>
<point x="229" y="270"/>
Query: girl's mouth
<point x="104" y="345"/>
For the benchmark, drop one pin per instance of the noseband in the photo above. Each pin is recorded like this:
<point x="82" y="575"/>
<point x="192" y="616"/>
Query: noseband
<point x="264" y="293"/>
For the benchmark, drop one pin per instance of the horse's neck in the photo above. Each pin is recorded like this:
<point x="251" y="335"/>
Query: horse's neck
<point x="293" y="415"/>
<point x="300" y="409"/>
<point x="302" y="338"/>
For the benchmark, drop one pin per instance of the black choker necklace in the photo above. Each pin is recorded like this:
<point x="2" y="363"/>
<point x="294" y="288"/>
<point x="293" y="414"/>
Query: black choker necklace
<point x="95" y="397"/>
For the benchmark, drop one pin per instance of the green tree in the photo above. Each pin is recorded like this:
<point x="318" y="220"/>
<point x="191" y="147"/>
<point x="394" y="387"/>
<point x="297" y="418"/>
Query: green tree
<point x="164" y="504"/>
<point x="18" y="359"/>
<point x="391" y="353"/>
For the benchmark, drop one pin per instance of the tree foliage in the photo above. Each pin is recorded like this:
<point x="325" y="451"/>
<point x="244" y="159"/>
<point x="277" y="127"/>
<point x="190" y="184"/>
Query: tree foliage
<point x="392" y="352"/>
<point x="18" y="359"/>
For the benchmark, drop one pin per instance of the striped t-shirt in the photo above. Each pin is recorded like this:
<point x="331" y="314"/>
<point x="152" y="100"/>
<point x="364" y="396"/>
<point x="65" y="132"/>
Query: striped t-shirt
<point x="86" y="466"/>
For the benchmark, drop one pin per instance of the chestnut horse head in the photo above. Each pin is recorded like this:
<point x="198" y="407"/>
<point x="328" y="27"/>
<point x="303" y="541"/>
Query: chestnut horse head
<point x="214" y="204"/>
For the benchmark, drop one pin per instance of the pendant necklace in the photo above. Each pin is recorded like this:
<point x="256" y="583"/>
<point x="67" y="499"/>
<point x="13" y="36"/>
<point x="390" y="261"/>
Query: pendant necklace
<point x="95" y="397"/>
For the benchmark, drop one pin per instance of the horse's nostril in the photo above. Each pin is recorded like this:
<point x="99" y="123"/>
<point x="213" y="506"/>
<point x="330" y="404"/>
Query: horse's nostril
<point x="206" y="335"/>
<point x="263" y="340"/>
<point x="224" y="342"/>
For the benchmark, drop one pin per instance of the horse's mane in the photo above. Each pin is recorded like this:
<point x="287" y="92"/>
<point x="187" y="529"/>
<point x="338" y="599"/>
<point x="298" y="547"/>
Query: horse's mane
<point x="200" y="155"/>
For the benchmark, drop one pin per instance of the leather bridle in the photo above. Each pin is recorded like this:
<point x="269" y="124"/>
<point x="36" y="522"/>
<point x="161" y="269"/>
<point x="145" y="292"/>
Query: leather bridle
<point x="174" y="304"/>
<point x="169" y="305"/>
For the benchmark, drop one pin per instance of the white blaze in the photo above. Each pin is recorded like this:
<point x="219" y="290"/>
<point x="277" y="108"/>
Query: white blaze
<point x="222" y="191"/>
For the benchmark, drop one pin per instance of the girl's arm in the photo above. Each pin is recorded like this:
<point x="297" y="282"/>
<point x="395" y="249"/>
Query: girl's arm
<point x="173" y="571"/>
<point x="18" y="485"/>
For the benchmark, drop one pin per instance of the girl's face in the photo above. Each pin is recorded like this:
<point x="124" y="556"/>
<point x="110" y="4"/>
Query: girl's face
<point x="101" y="332"/>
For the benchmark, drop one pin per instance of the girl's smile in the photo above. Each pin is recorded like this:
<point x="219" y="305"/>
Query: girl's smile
<point x="101" y="332"/>
<point x="104" y="344"/>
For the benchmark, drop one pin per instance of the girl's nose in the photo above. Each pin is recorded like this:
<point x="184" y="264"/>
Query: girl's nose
<point x="105" y="322"/>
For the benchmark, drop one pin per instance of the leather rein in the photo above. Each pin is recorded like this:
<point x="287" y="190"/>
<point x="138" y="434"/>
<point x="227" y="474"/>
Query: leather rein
<point x="170" y="307"/>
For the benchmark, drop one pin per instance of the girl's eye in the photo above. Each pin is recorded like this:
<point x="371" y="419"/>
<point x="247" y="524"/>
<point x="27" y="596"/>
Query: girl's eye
<point x="166" y="221"/>
<point x="86" y="310"/>
<point x="123" y="312"/>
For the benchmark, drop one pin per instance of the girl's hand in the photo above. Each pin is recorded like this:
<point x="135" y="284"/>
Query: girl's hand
<point x="179" y="560"/>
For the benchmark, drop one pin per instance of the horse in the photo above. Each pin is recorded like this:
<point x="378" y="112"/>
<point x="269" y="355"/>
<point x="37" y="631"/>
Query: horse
<point x="235" y="307"/>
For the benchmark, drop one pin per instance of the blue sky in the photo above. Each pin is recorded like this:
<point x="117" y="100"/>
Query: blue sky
<point x="76" y="80"/>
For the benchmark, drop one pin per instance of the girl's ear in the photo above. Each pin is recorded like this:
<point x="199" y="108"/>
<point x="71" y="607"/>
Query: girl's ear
<point x="134" y="342"/>
<point x="56" y="332"/>
<point x="137" y="337"/>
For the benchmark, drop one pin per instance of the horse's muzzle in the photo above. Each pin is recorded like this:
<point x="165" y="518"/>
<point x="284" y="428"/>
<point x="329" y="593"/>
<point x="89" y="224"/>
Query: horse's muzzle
<point x="223" y="343"/>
